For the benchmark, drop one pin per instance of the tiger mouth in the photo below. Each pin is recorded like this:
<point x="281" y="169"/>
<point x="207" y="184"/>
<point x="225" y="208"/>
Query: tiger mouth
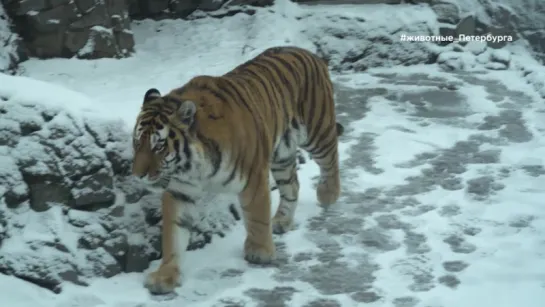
<point x="150" y="180"/>
<point x="154" y="178"/>
<point x="159" y="181"/>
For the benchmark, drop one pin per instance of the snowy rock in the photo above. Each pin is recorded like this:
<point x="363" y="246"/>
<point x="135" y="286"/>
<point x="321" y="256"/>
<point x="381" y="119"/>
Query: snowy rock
<point x="476" y="47"/>
<point x="452" y="60"/>
<point x="11" y="52"/>
<point x="314" y="2"/>
<point x="13" y="187"/>
<point x="536" y="77"/>
<point x="501" y="56"/>
<point x="35" y="250"/>
<point x="58" y="159"/>
<point x="518" y="19"/>
<point x="160" y="9"/>
<point x="354" y="43"/>
<point x="83" y="28"/>
<point x="69" y="210"/>
<point x="496" y="66"/>
<point x="52" y="167"/>
<point x="483" y="58"/>
<point x="447" y="12"/>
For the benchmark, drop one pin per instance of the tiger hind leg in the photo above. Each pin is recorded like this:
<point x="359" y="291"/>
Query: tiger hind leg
<point x="325" y="153"/>
<point x="259" y="246"/>
<point x="284" y="172"/>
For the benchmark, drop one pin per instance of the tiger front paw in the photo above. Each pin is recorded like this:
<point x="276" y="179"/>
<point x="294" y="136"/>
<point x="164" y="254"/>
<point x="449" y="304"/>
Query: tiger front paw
<point x="164" y="280"/>
<point x="259" y="253"/>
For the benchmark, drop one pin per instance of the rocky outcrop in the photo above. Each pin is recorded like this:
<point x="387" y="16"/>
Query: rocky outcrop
<point x="96" y="29"/>
<point x="91" y="29"/>
<point x="11" y="47"/>
<point x="505" y="18"/>
<point x="69" y="210"/>
<point x="159" y="9"/>
<point x="472" y="56"/>
<point x="524" y="19"/>
<point x="64" y="28"/>
<point x="55" y="171"/>
<point x="360" y="42"/>
<point x="337" y="2"/>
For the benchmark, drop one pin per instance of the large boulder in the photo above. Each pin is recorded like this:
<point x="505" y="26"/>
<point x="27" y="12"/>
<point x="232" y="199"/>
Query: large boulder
<point x="91" y="29"/>
<point x="64" y="28"/>
<point x="68" y="208"/>
<point x="11" y="47"/>
<point x="365" y="39"/>
<point x="524" y="18"/>
<point x="501" y="21"/>
<point x="159" y="9"/>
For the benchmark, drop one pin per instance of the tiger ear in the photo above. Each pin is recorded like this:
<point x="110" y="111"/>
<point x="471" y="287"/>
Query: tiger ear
<point x="187" y="111"/>
<point x="151" y="94"/>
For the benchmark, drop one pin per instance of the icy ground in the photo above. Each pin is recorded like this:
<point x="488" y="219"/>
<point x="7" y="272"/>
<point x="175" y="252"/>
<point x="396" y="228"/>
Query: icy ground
<point x="442" y="176"/>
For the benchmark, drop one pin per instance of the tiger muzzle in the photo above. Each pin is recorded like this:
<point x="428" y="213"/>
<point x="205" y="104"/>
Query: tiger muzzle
<point x="146" y="166"/>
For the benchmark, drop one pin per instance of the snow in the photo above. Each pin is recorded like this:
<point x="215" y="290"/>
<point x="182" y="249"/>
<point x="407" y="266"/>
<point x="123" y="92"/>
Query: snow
<point x="507" y="269"/>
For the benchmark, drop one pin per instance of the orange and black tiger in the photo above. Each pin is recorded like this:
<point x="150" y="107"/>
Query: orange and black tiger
<point x="227" y="134"/>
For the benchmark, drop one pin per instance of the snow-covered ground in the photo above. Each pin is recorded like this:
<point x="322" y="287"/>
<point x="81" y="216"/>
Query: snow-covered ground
<point x="442" y="172"/>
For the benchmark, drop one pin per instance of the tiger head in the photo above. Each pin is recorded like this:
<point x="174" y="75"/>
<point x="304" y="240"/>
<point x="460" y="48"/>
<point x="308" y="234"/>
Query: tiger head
<point x="164" y="138"/>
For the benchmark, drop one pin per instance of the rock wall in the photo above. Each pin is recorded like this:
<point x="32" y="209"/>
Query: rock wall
<point x="524" y="19"/>
<point x="11" y="47"/>
<point x="67" y="28"/>
<point x="520" y="18"/>
<point x="55" y="170"/>
<point x="96" y="29"/>
<point x="355" y="43"/>
<point x="68" y="210"/>
<point x="91" y="29"/>
<point x="159" y="9"/>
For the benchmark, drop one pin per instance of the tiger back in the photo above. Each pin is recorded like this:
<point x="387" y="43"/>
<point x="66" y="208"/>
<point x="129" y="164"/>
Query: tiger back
<point x="227" y="134"/>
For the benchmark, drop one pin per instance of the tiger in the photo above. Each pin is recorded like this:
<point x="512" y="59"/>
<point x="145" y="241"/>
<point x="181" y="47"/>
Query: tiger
<point x="227" y="134"/>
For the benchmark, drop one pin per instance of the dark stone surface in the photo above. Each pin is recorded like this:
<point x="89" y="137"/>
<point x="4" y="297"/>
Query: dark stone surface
<point x="81" y="28"/>
<point x="91" y="29"/>
<point x="351" y="43"/>
<point x="161" y="9"/>
<point x="12" y="50"/>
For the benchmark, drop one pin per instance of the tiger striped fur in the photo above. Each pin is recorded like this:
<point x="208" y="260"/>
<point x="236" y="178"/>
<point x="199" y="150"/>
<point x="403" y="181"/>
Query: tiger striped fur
<point x="227" y="134"/>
